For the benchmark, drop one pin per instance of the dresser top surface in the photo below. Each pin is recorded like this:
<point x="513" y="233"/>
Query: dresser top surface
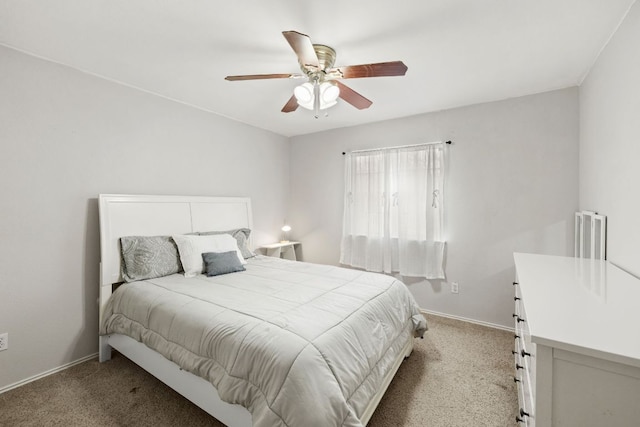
<point x="581" y="305"/>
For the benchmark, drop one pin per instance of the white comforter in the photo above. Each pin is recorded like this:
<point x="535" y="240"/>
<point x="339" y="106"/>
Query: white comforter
<point x="298" y="344"/>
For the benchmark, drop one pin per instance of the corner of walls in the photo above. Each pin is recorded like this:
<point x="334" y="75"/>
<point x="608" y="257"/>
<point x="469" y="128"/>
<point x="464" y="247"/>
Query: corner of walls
<point x="609" y="134"/>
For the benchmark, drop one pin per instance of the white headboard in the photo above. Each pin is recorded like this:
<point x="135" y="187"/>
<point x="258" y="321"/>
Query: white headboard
<point x="134" y="215"/>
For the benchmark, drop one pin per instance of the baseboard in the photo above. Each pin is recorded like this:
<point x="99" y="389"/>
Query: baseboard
<point x="47" y="373"/>
<point x="465" y="319"/>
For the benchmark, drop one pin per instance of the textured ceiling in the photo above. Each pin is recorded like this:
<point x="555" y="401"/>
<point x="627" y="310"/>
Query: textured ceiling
<point x="459" y="52"/>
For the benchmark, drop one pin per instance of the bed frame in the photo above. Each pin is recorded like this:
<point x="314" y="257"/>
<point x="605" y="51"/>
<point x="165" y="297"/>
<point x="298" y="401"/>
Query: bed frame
<point x="130" y="215"/>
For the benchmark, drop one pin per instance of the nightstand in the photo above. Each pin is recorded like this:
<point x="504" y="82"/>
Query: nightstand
<point x="285" y="250"/>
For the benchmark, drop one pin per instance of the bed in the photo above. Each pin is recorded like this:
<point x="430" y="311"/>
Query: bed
<point x="280" y="343"/>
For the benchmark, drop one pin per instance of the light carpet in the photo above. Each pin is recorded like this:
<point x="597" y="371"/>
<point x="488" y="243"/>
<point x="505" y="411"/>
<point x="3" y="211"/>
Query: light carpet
<point x="461" y="374"/>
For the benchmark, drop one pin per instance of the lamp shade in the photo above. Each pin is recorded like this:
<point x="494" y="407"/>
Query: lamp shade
<point x="304" y="92"/>
<point x="329" y="93"/>
<point x="285" y="230"/>
<point x="304" y="95"/>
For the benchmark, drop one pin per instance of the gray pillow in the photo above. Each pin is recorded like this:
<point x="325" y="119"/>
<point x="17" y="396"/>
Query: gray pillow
<point x="242" y="237"/>
<point x="216" y="263"/>
<point x="148" y="257"/>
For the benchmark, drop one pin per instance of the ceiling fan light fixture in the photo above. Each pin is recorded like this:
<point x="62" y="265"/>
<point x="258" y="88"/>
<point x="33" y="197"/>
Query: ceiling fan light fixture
<point x="304" y="94"/>
<point x="328" y="95"/>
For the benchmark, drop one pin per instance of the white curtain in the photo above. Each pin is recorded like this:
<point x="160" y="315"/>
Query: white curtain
<point x="393" y="211"/>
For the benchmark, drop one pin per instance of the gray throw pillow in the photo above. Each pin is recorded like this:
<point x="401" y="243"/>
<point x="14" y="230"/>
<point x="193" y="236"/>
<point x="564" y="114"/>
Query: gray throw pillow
<point x="148" y="257"/>
<point x="242" y="237"/>
<point x="216" y="263"/>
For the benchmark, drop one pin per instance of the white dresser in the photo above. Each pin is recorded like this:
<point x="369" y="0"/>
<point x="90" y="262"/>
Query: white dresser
<point x="577" y="342"/>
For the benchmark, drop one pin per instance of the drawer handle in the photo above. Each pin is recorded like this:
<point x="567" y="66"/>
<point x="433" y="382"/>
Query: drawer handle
<point x="524" y="353"/>
<point x="518" y="318"/>
<point x="519" y="366"/>
<point x="516" y="336"/>
<point x="516" y="299"/>
<point x="523" y="414"/>
<point x="515" y="283"/>
<point x="514" y="352"/>
<point x="519" y="420"/>
<point x="516" y="380"/>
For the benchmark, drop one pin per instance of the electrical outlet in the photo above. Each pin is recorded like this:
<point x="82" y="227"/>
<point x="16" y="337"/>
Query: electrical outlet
<point x="454" y="287"/>
<point x="4" y="341"/>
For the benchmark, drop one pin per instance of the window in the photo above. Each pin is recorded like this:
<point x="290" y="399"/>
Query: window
<point x="393" y="211"/>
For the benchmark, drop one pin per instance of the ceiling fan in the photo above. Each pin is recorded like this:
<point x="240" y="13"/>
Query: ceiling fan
<point x="323" y="87"/>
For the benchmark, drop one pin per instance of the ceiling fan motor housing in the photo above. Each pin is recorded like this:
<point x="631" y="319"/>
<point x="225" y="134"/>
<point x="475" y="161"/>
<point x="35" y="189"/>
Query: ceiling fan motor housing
<point x="326" y="58"/>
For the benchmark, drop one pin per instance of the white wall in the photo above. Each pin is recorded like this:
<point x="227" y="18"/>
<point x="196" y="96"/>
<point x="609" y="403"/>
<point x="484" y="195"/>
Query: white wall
<point x="512" y="186"/>
<point x="65" y="137"/>
<point x="610" y="142"/>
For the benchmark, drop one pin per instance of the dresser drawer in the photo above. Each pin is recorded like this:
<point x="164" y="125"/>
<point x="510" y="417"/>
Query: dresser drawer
<point x="527" y="348"/>
<point x="526" y="409"/>
<point x="519" y="318"/>
<point x="525" y="401"/>
<point x="519" y="375"/>
<point x="519" y="386"/>
<point x="524" y="361"/>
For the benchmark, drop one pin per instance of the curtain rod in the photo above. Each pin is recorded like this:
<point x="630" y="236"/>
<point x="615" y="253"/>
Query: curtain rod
<point x="400" y="146"/>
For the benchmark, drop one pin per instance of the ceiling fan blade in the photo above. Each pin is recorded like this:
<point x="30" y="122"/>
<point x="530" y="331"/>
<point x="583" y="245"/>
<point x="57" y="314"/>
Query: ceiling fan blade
<point x="291" y="105"/>
<point x="264" y="76"/>
<point x="380" y="69"/>
<point x="302" y="46"/>
<point x="353" y="97"/>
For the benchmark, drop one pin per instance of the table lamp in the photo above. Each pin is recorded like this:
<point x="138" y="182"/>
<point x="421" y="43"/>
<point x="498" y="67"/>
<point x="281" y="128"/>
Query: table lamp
<point x="285" y="234"/>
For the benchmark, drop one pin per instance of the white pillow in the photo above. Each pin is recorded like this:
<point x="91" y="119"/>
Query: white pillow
<point x="191" y="249"/>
